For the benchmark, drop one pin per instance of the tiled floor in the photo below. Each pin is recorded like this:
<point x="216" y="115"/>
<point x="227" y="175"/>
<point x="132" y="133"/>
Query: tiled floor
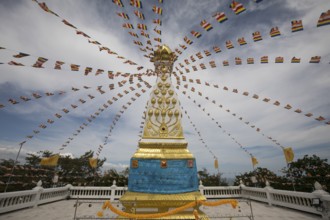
<point x="65" y="209"/>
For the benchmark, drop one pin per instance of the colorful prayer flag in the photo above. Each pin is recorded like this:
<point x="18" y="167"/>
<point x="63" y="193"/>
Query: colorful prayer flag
<point x="187" y="40"/>
<point x="216" y="49"/>
<point x="74" y="67"/>
<point x="256" y="36"/>
<point x="158" y="31"/>
<point x="237" y="7"/>
<point x="250" y="60"/>
<point x="183" y="46"/>
<point x="139" y="14"/>
<point x="118" y="2"/>
<point x="20" y="55"/>
<point x="238" y="61"/>
<point x="46" y="9"/>
<point x="82" y="33"/>
<point x="295" y="60"/>
<point x="58" y="65"/>
<point x="220" y="17"/>
<point x="123" y="15"/>
<point x="207" y="53"/>
<point x="264" y="59"/>
<point x="279" y="60"/>
<point x="157" y="21"/>
<point x="324" y="19"/>
<point x="40" y="62"/>
<point x="296" y="25"/>
<point x="274" y="32"/>
<point x="315" y="59"/>
<point x="50" y="161"/>
<point x="92" y="162"/>
<point x="196" y="34"/>
<point x="157" y="10"/>
<point x="229" y="44"/>
<point x="128" y="26"/>
<point x="88" y="70"/>
<point x="136" y="3"/>
<point x="254" y="161"/>
<point x="142" y="26"/>
<point x="241" y="41"/>
<point x="216" y="164"/>
<point x="288" y="153"/>
<point x="67" y="23"/>
<point x="206" y="25"/>
<point x="15" y="63"/>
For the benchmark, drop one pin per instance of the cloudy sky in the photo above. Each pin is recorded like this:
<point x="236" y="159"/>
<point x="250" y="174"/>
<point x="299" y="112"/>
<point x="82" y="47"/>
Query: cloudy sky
<point x="26" y="28"/>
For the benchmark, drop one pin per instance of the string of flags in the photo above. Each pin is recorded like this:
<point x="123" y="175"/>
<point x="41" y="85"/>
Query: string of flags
<point x="97" y="113"/>
<point x="258" y="97"/>
<point x="121" y="112"/>
<point x="216" y="164"/>
<point x="233" y="114"/>
<point x="38" y="95"/>
<point x="66" y="110"/>
<point x="60" y="65"/>
<point x="143" y="118"/>
<point x="296" y="26"/>
<point x="220" y="17"/>
<point x="44" y="7"/>
<point x="238" y="61"/>
<point x="219" y="126"/>
<point x="142" y="27"/>
<point x="58" y="116"/>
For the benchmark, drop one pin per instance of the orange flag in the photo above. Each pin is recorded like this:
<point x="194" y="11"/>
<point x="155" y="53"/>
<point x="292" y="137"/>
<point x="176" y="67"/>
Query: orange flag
<point x="289" y="155"/>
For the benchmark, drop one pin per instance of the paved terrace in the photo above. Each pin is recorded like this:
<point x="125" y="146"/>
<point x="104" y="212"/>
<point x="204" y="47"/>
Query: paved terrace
<point x="65" y="210"/>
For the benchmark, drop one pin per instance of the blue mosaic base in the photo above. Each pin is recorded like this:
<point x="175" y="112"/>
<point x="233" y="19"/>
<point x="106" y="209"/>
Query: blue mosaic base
<point x="149" y="177"/>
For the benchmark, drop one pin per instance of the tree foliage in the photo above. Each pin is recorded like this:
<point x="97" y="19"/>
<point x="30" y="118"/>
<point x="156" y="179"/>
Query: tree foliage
<point x="211" y="179"/>
<point x="75" y="171"/>
<point x="300" y="175"/>
<point x="306" y="171"/>
<point x="258" y="178"/>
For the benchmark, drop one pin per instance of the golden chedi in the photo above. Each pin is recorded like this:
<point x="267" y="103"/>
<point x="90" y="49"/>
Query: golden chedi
<point x="163" y="172"/>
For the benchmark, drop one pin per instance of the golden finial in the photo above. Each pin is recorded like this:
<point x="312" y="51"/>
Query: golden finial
<point x="163" y="53"/>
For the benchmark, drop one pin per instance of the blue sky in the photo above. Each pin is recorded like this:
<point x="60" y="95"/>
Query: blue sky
<point x="27" y="28"/>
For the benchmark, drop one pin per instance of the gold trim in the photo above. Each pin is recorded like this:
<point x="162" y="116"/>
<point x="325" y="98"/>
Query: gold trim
<point x="162" y="145"/>
<point x="163" y="153"/>
<point x="152" y="137"/>
<point x="157" y="200"/>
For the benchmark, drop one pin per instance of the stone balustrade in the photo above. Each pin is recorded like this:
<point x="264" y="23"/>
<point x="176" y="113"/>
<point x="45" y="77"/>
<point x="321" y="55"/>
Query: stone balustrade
<point x="32" y="198"/>
<point x="317" y="202"/>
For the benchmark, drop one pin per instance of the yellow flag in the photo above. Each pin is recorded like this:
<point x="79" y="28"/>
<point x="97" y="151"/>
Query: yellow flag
<point x="93" y="162"/>
<point x="216" y="164"/>
<point x="288" y="153"/>
<point x="50" y="161"/>
<point x="254" y="161"/>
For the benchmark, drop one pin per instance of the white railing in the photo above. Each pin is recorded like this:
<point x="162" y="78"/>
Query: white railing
<point x="220" y="192"/>
<point x="31" y="198"/>
<point x="306" y="202"/>
<point x="113" y="193"/>
<point x="257" y="194"/>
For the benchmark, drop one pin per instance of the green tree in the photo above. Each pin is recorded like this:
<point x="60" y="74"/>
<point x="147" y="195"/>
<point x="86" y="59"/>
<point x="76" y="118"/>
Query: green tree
<point x="109" y="176"/>
<point x="77" y="171"/>
<point x="306" y="171"/>
<point x="258" y="178"/>
<point x="211" y="179"/>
